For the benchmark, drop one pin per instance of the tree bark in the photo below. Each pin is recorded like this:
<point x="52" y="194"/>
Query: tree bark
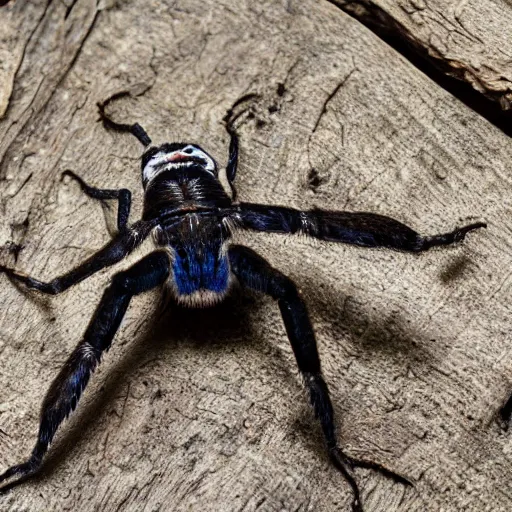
<point x="204" y="410"/>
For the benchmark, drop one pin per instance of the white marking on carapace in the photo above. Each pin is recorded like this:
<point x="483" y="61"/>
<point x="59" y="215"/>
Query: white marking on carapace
<point x="164" y="161"/>
<point x="201" y="298"/>
<point x="196" y="189"/>
<point x="173" y="190"/>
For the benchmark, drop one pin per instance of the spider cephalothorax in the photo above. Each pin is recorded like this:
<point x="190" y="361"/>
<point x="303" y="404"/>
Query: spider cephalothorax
<point x="191" y="218"/>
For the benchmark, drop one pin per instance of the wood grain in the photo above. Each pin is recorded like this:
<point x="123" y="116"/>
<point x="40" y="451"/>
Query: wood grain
<point x="204" y="410"/>
<point x="468" y="39"/>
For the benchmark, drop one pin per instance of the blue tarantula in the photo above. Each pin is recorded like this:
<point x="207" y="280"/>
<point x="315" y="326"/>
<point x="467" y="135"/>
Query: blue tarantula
<point x="191" y="218"/>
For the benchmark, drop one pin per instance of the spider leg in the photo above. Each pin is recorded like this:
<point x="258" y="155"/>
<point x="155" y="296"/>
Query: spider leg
<point x="135" y="129"/>
<point x="229" y="120"/>
<point x="254" y="272"/>
<point x="123" y="196"/>
<point x="232" y="164"/>
<point x="356" y="228"/>
<point x="506" y="412"/>
<point x="66" y="389"/>
<point x="112" y="253"/>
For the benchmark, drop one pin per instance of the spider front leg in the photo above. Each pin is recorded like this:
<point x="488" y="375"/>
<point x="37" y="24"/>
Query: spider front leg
<point x="135" y="129"/>
<point x="66" y="389"/>
<point x="123" y="196"/>
<point x="254" y="272"/>
<point x="112" y="253"/>
<point x="232" y="164"/>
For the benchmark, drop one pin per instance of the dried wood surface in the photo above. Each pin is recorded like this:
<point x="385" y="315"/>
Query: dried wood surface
<point x="204" y="410"/>
<point x="468" y="39"/>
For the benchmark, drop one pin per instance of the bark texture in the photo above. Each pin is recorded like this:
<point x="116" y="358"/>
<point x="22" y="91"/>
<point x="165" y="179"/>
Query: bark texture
<point x="204" y="410"/>
<point x="468" y="39"/>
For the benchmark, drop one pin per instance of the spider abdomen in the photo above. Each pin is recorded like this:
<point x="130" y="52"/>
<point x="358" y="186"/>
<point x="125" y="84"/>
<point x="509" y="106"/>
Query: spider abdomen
<point x="200" y="280"/>
<point x="200" y="272"/>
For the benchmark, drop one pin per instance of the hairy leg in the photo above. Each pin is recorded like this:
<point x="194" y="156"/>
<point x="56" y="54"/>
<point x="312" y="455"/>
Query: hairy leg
<point x="123" y="196"/>
<point x="66" y="389"/>
<point x="254" y="272"/>
<point x="356" y="228"/>
<point x="112" y="253"/>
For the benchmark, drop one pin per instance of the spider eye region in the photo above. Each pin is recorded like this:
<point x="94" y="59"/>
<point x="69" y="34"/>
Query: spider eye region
<point x="169" y="157"/>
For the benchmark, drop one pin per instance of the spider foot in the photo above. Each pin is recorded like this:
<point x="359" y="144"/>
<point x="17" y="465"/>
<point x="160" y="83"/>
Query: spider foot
<point x="346" y="466"/>
<point x="22" y="471"/>
<point x="106" y="119"/>
<point x="28" y="281"/>
<point x="12" y="274"/>
<point x="72" y="175"/>
<point x="12" y="248"/>
<point x="450" y="238"/>
<point x="234" y="113"/>
<point x="460" y="234"/>
<point x="9" y="272"/>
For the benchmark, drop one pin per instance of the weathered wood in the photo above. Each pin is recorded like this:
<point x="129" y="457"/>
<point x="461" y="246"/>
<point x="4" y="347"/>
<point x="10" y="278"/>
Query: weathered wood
<point x="205" y="411"/>
<point x="468" y="39"/>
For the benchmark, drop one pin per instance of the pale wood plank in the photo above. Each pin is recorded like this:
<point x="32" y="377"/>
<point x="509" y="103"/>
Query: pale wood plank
<point x="206" y="412"/>
<point x="468" y="39"/>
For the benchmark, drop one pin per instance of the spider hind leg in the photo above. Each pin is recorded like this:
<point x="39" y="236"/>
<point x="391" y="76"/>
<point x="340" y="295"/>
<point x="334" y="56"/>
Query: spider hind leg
<point x="67" y="388"/>
<point x="254" y="272"/>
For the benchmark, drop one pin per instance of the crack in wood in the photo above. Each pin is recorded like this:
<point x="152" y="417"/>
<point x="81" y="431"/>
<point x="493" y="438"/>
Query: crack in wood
<point x="331" y="96"/>
<point x="21" y="59"/>
<point x="454" y="76"/>
<point x="59" y="81"/>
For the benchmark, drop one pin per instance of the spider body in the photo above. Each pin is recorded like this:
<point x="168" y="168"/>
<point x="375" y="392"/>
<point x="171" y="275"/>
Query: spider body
<point x="182" y="193"/>
<point x="191" y="218"/>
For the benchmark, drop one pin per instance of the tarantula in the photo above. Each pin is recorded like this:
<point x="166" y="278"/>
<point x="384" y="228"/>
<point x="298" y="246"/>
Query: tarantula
<point x="191" y="218"/>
